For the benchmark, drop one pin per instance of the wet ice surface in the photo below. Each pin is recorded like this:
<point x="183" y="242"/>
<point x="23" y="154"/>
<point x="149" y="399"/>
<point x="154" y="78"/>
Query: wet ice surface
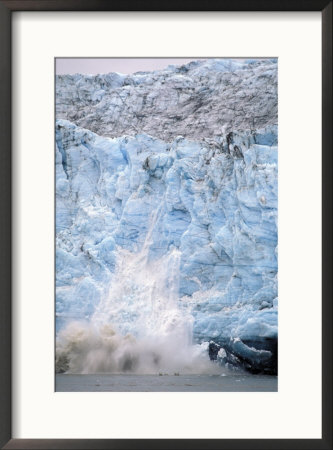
<point x="165" y="383"/>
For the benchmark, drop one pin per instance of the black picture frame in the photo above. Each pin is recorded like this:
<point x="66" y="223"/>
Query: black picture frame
<point x="6" y="9"/>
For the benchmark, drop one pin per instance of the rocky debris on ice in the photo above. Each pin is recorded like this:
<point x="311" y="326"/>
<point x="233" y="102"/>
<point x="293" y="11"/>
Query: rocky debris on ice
<point x="201" y="99"/>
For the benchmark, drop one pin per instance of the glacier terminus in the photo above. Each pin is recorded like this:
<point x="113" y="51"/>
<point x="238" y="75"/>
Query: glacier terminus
<point x="166" y="219"/>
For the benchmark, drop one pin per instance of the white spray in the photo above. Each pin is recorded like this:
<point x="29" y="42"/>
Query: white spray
<point x="139" y="327"/>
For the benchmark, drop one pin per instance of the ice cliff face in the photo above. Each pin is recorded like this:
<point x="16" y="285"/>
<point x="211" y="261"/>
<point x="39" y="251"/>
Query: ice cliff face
<point x="195" y="217"/>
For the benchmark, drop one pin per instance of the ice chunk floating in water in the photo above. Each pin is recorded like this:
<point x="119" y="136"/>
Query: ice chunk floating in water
<point x="166" y="247"/>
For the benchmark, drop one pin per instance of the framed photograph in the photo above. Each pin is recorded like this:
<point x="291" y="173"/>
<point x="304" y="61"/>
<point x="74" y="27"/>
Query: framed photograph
<point x="166" y="224"/>
<point x="167" y="214"/>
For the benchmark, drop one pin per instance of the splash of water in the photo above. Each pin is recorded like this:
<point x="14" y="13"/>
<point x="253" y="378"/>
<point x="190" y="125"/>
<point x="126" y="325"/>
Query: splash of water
<point x="139" y="326"/>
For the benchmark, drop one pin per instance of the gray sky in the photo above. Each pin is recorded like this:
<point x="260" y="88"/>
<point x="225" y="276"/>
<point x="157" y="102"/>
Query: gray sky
<point x="94" y="66"/>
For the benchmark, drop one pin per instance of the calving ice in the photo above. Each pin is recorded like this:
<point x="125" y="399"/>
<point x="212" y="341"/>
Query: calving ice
<point x="166" y="227"/>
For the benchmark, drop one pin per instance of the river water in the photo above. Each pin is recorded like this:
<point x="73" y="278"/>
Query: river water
<point x="165" y="383"/>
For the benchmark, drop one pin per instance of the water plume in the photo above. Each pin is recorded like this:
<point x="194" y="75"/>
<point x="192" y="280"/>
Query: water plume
<point x="84" y="348"/>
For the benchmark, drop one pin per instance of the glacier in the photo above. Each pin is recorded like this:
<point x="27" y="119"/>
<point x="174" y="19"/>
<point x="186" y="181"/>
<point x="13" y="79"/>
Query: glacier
<point x="166" y="229"/>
